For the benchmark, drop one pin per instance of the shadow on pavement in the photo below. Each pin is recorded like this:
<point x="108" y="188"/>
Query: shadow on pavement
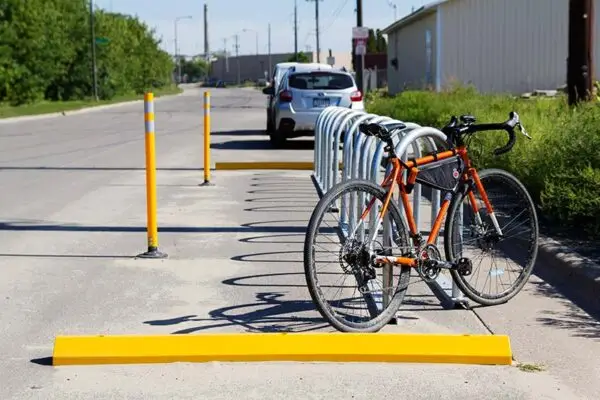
<point x="579" y="322"/>
<point x="263" y="145"/>
<point x="44" y="168"/>
<point x="270" y="313"/>
<point x="63" y="256"/>
<point x="252" y="227"/>
<point x="244" y="132"/>
<point x="43" y="361"/>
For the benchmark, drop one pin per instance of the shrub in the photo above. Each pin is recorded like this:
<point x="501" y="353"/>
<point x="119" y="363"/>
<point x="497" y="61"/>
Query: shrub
<point x="560" y="166"/>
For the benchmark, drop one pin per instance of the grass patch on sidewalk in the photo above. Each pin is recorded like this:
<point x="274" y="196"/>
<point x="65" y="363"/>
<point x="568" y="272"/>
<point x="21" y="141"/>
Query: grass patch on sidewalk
<point x="48" y="107"/>
<point x="560" y="166"/>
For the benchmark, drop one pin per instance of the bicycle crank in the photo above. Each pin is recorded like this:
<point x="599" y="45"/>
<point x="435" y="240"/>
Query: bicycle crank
<point x="430" y="267"/>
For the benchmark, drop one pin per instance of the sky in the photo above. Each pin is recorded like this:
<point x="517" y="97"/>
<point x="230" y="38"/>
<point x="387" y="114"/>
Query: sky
<point x="250" y="18"/>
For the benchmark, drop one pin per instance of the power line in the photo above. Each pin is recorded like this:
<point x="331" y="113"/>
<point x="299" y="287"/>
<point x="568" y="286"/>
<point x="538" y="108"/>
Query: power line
<point x="336" y="14"/>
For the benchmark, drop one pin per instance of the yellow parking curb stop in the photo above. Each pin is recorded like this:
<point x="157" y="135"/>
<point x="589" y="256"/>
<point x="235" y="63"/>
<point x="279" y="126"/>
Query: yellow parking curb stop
<point x="301" y="347"/>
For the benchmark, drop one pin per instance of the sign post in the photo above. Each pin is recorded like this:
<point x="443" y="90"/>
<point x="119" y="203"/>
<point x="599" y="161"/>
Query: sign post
<point x="360" y="36"/>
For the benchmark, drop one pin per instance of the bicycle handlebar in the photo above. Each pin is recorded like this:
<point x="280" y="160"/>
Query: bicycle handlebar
<point x="508" y="126"/>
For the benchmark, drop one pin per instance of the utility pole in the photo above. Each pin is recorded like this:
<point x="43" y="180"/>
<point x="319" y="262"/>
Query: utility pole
<point x="359" y="60"/>
<point x="317" y="28"/>
<point x="579" y="62"/>
<point x="226" y="59"/>
<point x="270" y="61"/>
<point x="206" y="48"/>
<point x="296" y="28"/>
<point x="395" y="7"/>
<point x="177" y="55"/>
<point x="237" y="57"/>
<point x="93" y="39"/>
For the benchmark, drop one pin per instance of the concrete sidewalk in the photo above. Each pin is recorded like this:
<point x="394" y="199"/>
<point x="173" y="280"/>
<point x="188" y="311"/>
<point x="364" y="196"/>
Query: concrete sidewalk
<point x="235" y="264"/>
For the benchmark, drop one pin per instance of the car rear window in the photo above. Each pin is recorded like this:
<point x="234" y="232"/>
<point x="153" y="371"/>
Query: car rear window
<point x="320" y="81"/>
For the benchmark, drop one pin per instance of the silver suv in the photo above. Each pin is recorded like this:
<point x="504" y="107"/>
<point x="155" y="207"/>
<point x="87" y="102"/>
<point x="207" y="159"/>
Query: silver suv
<point x="303" y="94"/>
<point x="278" y="74"/>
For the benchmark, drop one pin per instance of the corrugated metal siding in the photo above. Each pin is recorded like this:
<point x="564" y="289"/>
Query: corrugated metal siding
<point x="408" y="46"/>
<point x="507" y="45"/>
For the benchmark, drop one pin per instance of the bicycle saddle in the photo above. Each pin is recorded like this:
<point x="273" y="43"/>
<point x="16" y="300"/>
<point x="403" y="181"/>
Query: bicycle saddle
<point x="380" y="131"/>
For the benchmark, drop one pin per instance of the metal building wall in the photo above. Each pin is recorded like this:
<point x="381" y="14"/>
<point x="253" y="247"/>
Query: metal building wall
<point x="507" y="45"/>
<point x="408" y="46"/>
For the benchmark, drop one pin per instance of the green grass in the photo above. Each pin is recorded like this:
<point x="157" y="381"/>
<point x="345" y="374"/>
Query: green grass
<point x="526" y="367"/>
<point x="560" y="166"/>
<point x="47" y="107"/>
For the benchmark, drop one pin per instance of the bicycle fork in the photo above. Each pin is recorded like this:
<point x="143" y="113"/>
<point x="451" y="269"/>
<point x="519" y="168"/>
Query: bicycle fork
<point x="486" y="202"/>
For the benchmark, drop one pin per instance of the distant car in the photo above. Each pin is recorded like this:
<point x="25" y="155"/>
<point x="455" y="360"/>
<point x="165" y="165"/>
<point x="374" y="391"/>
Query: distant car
<point x="302" y="95"/>
<point x="278" y="72"/>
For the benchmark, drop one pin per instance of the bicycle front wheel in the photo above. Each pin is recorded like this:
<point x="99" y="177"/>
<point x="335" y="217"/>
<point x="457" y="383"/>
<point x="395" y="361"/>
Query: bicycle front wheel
<point x="502" y="263"/>
<point x="336" y="258"/>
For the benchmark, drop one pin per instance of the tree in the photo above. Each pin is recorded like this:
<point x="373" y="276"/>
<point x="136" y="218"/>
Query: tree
<point x="371" y="42"/>
<point x="45" y="52"/>
<point x="194" y="69"/>
<point x="381" y="42"/>
<point x="302" y="58"/>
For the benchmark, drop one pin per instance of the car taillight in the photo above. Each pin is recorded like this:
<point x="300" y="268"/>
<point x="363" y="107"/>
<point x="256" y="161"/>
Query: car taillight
<point x="356" y="96"/>
<point x="285" y="96"/>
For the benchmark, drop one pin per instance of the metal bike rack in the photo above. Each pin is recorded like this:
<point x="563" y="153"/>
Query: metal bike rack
<point x="362" y="159"/>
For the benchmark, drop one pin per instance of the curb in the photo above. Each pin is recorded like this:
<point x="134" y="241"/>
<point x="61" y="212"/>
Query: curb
<point x="299" y="347"/>
<point x="579" y="275"/>
<point x="83" y="110"/>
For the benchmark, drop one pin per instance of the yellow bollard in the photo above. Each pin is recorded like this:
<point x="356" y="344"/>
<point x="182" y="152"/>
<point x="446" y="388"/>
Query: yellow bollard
<point x="206" y="139"/>
<point x="153" y="251"/>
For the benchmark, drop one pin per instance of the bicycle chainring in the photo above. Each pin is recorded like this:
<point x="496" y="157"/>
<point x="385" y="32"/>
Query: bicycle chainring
<point x="428" y="269"/>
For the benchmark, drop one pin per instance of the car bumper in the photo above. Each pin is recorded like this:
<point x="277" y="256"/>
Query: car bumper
<point x="291" y="120"/>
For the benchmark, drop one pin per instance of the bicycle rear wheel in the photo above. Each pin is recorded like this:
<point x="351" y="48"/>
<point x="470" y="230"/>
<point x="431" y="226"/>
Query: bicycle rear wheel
<point x="512" y="255"/>
<point x="340" y="257"/>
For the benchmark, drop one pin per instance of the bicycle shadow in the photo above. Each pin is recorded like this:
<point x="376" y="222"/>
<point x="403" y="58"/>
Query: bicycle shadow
<point x="270" y="313"/>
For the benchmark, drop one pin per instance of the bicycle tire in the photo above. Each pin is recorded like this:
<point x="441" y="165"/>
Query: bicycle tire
<point x="323" y="207"/>
<point x="506" y="178"/>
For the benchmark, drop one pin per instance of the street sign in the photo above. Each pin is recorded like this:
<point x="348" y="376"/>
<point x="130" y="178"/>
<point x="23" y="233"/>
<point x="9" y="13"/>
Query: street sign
<point x="331" y="61"/>
<point x="361" y="47"/>
<point x="360" y="32"/>
<point x="102" y="40"/>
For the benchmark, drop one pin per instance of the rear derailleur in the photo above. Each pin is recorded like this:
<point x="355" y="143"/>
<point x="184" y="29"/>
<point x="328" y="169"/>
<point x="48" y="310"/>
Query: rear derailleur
<point x="355" y="259"/>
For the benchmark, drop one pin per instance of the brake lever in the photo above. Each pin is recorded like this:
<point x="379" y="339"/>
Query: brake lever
<point x="524" y="132"/>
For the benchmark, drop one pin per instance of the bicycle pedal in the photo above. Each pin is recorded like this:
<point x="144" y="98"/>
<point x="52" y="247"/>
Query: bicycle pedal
<point x="464" y="266"/>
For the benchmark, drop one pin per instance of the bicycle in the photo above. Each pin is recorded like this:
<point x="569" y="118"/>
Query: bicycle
<point x="466" y="190"/>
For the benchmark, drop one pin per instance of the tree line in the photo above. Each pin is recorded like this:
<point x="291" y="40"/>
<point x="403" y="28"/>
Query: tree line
<point x="46" y="52"/>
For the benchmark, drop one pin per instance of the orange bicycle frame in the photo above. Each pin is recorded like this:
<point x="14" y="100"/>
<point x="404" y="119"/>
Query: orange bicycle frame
<point x="395" y="178"/>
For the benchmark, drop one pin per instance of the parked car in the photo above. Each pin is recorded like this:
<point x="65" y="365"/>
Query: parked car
<point x="278" y="72"/>
<point x="302" y="95"/>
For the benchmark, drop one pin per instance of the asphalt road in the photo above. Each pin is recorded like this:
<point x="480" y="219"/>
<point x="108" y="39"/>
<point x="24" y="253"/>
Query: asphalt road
<point x="72" y="215"/>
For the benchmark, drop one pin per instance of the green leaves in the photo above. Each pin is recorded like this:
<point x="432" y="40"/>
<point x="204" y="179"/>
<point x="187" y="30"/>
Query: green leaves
<point x="46" y="45"/>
